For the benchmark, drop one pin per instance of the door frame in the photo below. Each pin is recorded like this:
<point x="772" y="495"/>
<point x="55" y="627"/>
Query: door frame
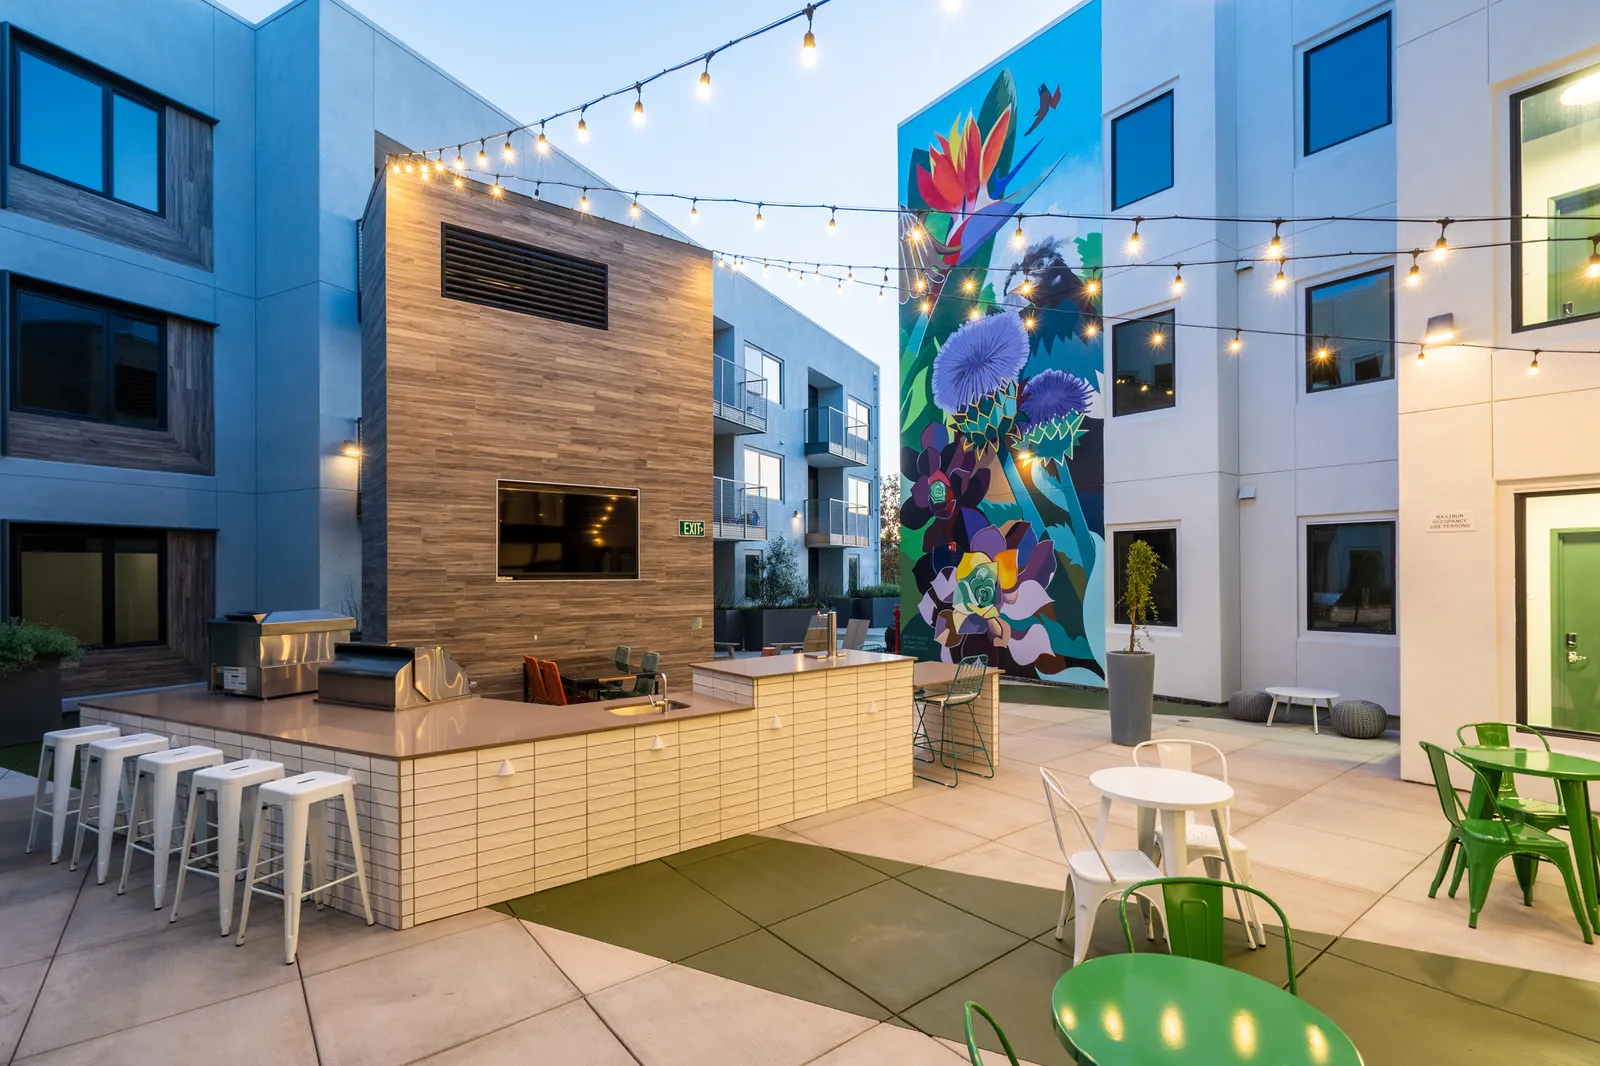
<point x="1519" y="549"/>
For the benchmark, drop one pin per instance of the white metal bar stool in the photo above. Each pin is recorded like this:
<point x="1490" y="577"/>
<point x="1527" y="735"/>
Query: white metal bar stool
<point x="57" y="758"/>
<point x="295" y="797"/>
<point x="154" y="803"/>
<point x="105" y="766"/>
<point x="232" y="787"/>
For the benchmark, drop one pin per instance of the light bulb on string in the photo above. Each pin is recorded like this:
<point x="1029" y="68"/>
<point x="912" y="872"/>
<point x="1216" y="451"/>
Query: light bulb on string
<point x="408" y="167"/>
<point x="1019" y="239"/>
<point x="1027" y="323"/>
<point x="1441" y="247"/>
<point x="766" y="269"/>
<point x="583" y="125"/>
<point x="1323" y="351"/>
<point x="921" y="284"/>
<point x="1026" y="288"/>
<point x="850" y="274"/>
<point x="703" y="89"/>
<point x="583" y="201"/>
<point x="1090" y="329"/>
<point x="395" y="168"/>
<point x="634" y="210"/>
<point x="426" y="173"/>
<point x="1236" y="344"/>
<point x="638" y="104"/>
<point x="439" y="163"/>
<point x="1135" y="242"/>
<point x="1275" y="246"/>
<point x="495" y="190"/>
<point x="917" y="233"/>
<point x="461" y="164"/>
<point x="507" y="151"/>
<point x="1280" y="282"/>
<point x="967" y="285"/>
<point x="542" y="143"/>
<point x="833" y="221"/>
<point x="460" y="183"/>
<point x="1592" y="271"/>
<point x="808" y="44"/>
<point x="1177" y="281"/>
<point x="880" y="292"/>
<point x="1091" y="287"/>
<point x="1414" y="275"/>
<point x="1157" y="339"/>
<point x="538" y="187"/>
<point x="1422" y="353"/>
<point x="483" y="157"/>
<point x="694" y="210"/>
<point x="1533" y="367"/>
<point x="839" y="288"/>
<point x="974" y="314"/>
<point x="758" y="215"/>
<point x="927" y="305"/>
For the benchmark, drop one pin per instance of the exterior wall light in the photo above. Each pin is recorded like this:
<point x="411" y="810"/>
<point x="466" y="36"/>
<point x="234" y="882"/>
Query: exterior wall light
<point x="1441" y="329"/>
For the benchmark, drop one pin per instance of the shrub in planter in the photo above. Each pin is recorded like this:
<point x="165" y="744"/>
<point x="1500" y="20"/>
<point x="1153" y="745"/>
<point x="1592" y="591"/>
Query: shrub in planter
<point x="30" y="679"/>
<point x="1131" y="674"/>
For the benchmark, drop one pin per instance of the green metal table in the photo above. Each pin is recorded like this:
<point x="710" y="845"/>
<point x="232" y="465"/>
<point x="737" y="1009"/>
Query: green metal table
<point x="1144" y="1010"/>
<point x="1571" y="773"/>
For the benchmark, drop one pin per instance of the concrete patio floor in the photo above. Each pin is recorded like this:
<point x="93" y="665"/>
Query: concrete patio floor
<point x="682" y="961"/>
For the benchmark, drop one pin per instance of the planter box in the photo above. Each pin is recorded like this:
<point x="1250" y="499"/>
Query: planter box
<point x="778" y="625"/>
<point x="727" y="625"/>
<point x="30" y="704"/>
<point x="879" y="610"/>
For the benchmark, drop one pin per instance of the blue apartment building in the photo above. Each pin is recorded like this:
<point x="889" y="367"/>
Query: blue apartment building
<point x="179" y="265"/>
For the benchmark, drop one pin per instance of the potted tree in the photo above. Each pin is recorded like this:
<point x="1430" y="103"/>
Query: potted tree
<point x="1131" y="674"/>
<point x="779" y="616"/>
<point x="31" y="657"/>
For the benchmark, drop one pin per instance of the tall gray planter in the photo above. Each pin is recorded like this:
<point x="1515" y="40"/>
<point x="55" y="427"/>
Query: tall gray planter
<point x="1130" y="689"/>
<point x="30" y="703"/>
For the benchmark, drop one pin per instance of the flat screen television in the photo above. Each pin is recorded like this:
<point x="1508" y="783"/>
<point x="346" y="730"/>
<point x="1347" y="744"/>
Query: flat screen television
<point x="567" y="532"/>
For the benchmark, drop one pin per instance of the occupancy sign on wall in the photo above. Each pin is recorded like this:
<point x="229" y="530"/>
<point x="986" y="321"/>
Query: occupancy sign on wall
<point x="691" y="529"/>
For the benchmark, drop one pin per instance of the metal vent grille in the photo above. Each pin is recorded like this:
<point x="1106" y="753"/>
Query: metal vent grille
<point x="492" y="271"/>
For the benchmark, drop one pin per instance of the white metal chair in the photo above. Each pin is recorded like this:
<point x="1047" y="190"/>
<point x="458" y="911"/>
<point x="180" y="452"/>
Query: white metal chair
<point x="232" y="787"/>
<point x="154" y="804"/>
<point x="1178" y="754"/>
<point x="105" y="770"/>
<point x="295" y="797"/>
<point x="1096" y="875"/>
<point x="57" y="757"/>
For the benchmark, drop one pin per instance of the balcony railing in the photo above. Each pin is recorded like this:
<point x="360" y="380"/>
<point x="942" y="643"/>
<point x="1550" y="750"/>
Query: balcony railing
<point x="837" y="524"/>
<point x="835" y="437"/>
<point x="738" y="398"/>
<point x="738" y="511"/>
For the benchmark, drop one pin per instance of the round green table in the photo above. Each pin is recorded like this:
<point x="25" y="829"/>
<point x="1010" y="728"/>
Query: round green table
<point x="1571" y="774"/>
<point x="1134" y="1010"/>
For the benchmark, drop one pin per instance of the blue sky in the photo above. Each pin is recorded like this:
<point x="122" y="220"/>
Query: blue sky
<point x="772" y="130"/>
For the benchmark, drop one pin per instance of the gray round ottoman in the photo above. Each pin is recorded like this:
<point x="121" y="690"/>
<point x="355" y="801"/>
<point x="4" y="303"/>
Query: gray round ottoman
<point x="1360" y="719"/>
<point x="1250" y="706"/>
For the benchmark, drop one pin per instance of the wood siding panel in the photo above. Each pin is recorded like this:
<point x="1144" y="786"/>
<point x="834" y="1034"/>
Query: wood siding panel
<point x="183" y="234"/>
<point x="373" y="472"/>
<point x="186" y="446"/>
<point x="458" y="396"/>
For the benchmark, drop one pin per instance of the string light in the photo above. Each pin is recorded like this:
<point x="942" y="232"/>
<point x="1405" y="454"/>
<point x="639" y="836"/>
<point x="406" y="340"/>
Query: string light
<point x="1422" y="353"/>
<point x="459" y="182"/>
<point x="1592" y="271"/>
<point x="542" y="144"/>
<point x="461" y="164"/>
<point x="426" y="174"/>
<point x="1280" y="282"/>
<point x="1135" y="242"/>
<point x="507" y="150"/>
<point x="1441" y="247"/>
<point x="538" y="187"/>
<point x="880" y="292"/>
<point x="634" y="209"/>
<point x="638" y="104"/>
<point x="968" y="284"/>
<point x="921" y="284"/>
<point x="495" y="190"/>
<point x="1157" y="339"/>
<point x="1275" y="247"/>
<point x="408" y="168"/>
<point x="1026" y="288"/>
<point x="1092" y="286"/>
<point x="1090" y="330"/>
<point x="833" y="221"/>
<point x="839" y="288"/>
<point x="1323" y="351"/>
<point x="1235" y="345"/>
<point x="1177" y="282"/>
<point x="395" y="169"/>
<point x="694" y="211"/>
<point x="916" y="234"/>
<point x="583" y="126"/>
<point x="583" y="203"/>
<point x="808" y="44"/>
<point x="703" y="90"/>
<point x="483" y="157"/>
<point x="1533" y="367"/>
<point x="758" y="216"/>
<point x="439" y="166"/>
<point x="1027" y="323"/>
<point x="766" y="269"/>
<point x="1018" y="240"/>
<point x="927" y="305"/>
<point x="974" y="314"/>
<point x="1414" y="275"/>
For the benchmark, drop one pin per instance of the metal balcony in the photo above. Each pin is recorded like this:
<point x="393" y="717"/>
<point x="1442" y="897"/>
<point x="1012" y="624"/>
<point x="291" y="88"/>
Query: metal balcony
<point x="837" y="524"/>
<point x="738" y="398"/>
<point x="738" y="511"/>
<point x="835" y="439"/>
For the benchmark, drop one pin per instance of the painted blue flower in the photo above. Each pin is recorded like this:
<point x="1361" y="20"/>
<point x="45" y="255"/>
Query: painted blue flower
<point x="1052" y="394"/>
<point x="978" y="360"/>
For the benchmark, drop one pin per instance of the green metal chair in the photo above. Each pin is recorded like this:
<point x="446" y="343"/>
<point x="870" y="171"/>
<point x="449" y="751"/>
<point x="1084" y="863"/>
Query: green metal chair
<point x="610" y="690"/>
<point x="972" y="1041"/>
<point x="1485" y="841"/>
<point x="1195" y="918"/>
<point x="962" y="695"/>
<point x="649" y="666"/>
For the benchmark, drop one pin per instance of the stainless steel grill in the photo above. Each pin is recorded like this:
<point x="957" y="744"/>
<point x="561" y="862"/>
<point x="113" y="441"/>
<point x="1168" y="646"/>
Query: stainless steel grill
<point x="271" y="654"/>
<point x="391" y="677"/>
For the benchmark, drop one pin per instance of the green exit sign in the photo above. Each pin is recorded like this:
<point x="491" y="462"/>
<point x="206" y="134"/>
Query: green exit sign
<point x="691" y="529"/>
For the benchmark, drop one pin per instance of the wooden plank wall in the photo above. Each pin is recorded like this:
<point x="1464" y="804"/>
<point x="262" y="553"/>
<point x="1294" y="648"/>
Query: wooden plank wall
<point x="471" y="395"/>
<point x="374" y="420"/>
<point x="182" y="233"/>
<point x="184" y="447"/>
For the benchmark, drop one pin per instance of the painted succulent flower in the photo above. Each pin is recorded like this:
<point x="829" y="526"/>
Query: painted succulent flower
<point x="945" y="477"/>
<point x="1001" y="581"/>
<point x="1052" y="394"/>
<point x="975" y="377"/>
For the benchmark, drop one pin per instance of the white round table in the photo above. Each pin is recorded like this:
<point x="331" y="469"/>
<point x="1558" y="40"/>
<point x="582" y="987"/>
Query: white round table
<point x="1313" y="697"/>
<point x="1172" y="794"/>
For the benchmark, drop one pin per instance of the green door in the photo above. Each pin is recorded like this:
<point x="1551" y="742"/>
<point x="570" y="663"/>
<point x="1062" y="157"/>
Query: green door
<point x="1575" y="629"/>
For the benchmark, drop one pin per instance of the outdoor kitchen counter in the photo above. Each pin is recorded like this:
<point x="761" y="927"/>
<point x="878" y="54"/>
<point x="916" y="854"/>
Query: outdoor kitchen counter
<point x="418" y="732"/>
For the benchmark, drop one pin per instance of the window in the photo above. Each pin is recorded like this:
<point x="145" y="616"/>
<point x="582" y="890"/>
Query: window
<point x="1558" y="617"/>
<point x="1142" y="352"/>
<point x="1555" y="181"/>
<point x="1141" y="151"/>
<point x="752" y="577"/>
<point x="104" y="586"/>
<point x="765" y="470"/>
<point x="79" y="357"/>
<point x="74" y="126"/>
<point x="1346" y="85"/>
<point x="853" y="574"/>
<point x="1358" y="307"/>
<point x="859" y="416"/>
<point x="1350" y="577"/>
<point x="770" y="369"/>
<point x="1164" y="590"/>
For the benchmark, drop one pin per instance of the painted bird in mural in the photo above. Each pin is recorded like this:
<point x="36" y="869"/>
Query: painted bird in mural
<point x="1048" y="101"/>
<point x="1047" y="282"/>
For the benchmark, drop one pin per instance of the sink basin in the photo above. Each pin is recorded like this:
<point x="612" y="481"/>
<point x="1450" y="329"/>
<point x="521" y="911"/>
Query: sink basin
<point x="645" y="708"/>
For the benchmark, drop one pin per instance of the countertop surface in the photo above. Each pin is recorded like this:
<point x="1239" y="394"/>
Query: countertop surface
<point x="456" y="725"/>
<point x="795" y="663"/>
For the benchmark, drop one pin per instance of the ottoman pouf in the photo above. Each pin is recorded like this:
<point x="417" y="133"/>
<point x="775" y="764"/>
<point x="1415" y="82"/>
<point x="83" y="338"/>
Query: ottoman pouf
<point x="1360" y="719"/>
<point x="1250" y="706"/>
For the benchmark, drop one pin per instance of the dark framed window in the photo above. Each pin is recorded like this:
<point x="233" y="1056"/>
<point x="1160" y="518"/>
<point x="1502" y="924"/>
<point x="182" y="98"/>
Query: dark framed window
<point x="1555" y="182"/>
<point x="77" y="356"/>
<point x="1347" y="85"/>
<point x="88" y="129"/>
<point x="1141" y="151"/>
<point x="105" y="585"/>
<point x="1164" y="590"/>
<point x="1142" y="367"/>
<point x="852" y="574"/>
<point x="752" y="577"/>
<point x="1350" y="577"/>
<point x="1350" y="331"/>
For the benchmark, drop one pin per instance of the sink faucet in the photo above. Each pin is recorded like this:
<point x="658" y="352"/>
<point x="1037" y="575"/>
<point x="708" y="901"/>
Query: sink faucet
<point x="660" y="683"/>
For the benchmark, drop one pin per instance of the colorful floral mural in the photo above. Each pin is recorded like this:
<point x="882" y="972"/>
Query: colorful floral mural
<point x="1002" y="538"/>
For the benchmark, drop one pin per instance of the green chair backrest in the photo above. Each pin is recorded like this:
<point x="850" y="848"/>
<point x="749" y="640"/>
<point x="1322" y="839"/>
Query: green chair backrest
<point x="1195" y="918"/>
<point x="621" y="656"/>
<point x="972" y="1041"/>
<point x="968" y="681"/>
<point x="650" y="664"/>
<point x="1439" y="762"/>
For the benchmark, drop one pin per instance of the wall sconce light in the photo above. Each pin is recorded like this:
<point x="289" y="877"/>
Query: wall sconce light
<point x="351" y="449"/>
<point x="1441" y="330"/>
<point x="797" y="514"/>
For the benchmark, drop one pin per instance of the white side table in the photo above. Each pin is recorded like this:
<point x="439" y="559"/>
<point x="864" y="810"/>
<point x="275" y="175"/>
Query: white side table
<point x="1313" y="697"/>
<point x="1172" y="793"/>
